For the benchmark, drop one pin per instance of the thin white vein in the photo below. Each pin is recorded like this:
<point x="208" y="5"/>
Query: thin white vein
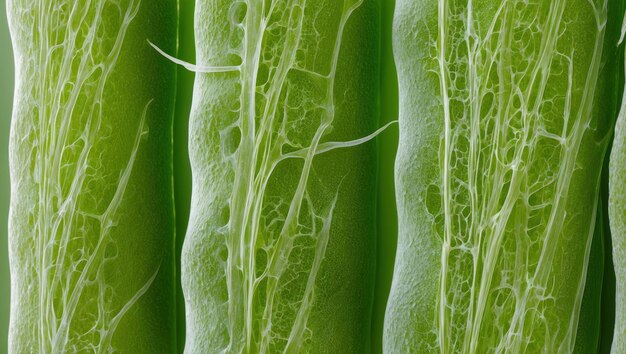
<point x="274" y="50"/>
<point x="498" y="104"/>
<point x="70" y="60"/>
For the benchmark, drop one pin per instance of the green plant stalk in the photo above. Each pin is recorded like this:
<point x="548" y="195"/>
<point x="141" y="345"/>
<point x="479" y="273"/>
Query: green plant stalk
<point x="505" y="113"/>
<point x="91" y="225"/>
<point x="279" y="253"/>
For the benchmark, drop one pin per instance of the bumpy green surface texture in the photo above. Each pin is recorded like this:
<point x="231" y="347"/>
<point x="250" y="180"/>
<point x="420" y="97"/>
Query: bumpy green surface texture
<point x="279" y="253"/>
<point x="91" y="219"/>
<point x="505" y="112"/>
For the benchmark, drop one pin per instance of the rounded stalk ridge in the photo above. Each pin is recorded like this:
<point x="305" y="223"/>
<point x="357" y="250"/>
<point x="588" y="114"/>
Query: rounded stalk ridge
<point x="91" y="222"/>
<point x="505" y="113"/>
<point x="279" y="253"/>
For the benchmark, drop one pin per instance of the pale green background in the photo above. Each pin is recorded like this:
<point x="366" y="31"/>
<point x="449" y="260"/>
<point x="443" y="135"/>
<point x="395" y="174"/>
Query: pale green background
<point x="6" y="97"/>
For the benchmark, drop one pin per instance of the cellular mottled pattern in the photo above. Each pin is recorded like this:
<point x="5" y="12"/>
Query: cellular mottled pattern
<point x="71" y="167"/>
<point x="265" y="106"/>
<point x="502" y="139"/>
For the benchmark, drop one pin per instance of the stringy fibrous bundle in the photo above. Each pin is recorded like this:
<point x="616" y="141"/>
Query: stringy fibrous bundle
<point x="502" y="140"/>
<point x="70" y="170"/>
<point x="265" y="102"/>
